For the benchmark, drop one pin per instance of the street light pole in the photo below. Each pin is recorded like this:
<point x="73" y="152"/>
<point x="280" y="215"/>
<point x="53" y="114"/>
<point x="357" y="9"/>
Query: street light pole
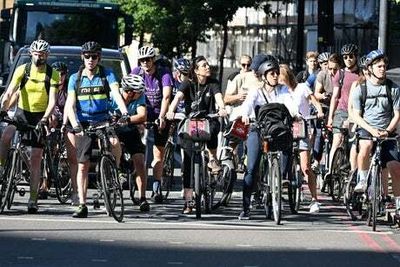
<point x="383" y="22"/>
<point x="300" y="35"/>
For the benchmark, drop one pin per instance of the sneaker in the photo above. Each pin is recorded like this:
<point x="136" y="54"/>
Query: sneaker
<point x="123" y="180"/>
<point x="157" y="198"/>
<point x="144" y="206"/>
<point x="188" y="209"/>
<point x="361" y="186"/>
<point x="32" y="207"/>
<point x="315" y="166"/>
<point x="244" y="215"/>
<point x="314" y="207"/>
<point x="81" y="212"/>
<point x="214" y="166"/>
<point x="74" y="199"/>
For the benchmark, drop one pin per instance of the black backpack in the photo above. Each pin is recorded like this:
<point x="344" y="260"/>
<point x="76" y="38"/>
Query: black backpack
<point x="275" y="121"/>
<point x="364" y="96"/>
<point x="27" y="71"/>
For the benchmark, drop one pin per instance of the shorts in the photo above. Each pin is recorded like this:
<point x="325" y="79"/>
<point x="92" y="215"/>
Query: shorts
<point x="304" y="144"/>
<point x="161" y="137"/>
<point x="31" y="118"/>
<point x="132" y="141"/>
<point x="389" y="150"/>
<point x="339" y="117"/>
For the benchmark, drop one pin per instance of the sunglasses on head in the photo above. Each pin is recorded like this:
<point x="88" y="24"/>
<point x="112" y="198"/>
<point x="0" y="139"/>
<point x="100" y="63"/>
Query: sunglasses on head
<point x="350" y="56"/>
<point x="93" y="56"/>
<point x="245" y="65"/>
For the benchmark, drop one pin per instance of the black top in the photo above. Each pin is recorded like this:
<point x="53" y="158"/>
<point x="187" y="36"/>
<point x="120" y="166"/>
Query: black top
<point x="200" y="97"/>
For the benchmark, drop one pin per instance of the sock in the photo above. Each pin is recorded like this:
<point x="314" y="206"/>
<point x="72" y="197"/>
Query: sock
<point x="363" y="175"/>
<point x="156" y="186"/>
<point x="33" y="195"/>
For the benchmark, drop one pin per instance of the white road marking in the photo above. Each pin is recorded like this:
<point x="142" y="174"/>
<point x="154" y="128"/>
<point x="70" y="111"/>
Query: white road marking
<point x="244" y="245"/>
<point x="232" y="225"/>
<point x="38" y="239"/>
<point x="176" y="243"/>
<point x="24" y="258"/>
<point x="106" y="240"/>
<point x="175" y="263"/>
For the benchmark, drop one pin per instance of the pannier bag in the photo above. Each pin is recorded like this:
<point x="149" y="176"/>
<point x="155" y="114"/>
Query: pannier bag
<point x="196" y="130"/>
<point x="299" y="129"/>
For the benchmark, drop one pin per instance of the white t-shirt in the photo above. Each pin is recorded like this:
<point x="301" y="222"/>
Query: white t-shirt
<point x="300" y="97"/>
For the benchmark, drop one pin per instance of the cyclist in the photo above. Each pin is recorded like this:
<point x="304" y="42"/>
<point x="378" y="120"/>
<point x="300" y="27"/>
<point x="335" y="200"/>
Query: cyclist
<point x="270" y="92"/>
<point x="132" y="92"/>
<point x="200" y="93"/>
<point x="301" y="96"/>
<point x="180" y="74"/>
<point x="338" y="109"/>
<point x="323" y="93"/>
<point x="310" y="73"/>
<point x="377" y="117"/>
<point x="323" y="59"/>
<point x="35" y="105"/>
<point x="59" y="119"/>
<point x="87" y="104"/>
<point x="158" y="92"/>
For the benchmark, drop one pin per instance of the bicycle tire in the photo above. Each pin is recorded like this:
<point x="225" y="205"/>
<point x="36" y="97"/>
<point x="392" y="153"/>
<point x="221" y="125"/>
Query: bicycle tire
<point x="337" y="179"/>
<point x="276" y="186"/>
<point x="222" y="186"/>
<point x="168" y="170"/>
<point x="61" y="176"/>
<point x="294" y="188"/>
<point x="113" y="197"/>
<point x="197" y="186"/>
<point x="132" y="187"/>
<point x="376" y="189"/>
<point x="9" y="180"/>
<point x="265" y="188"/>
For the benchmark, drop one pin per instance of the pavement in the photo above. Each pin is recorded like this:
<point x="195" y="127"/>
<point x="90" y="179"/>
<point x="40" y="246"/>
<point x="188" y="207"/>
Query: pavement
<point x="165" y="237"/>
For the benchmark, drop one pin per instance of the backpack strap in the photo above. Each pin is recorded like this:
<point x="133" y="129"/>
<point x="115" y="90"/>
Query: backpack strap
<point x="103" y="78"/>
<point x="388" y="87"/>
<point x="389" y="84"/>
<point x="27" y="72"/>
<point x="363" y="87"/>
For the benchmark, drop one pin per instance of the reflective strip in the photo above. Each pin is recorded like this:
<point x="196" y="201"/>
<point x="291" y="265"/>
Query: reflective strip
<point x="91" y="97"/>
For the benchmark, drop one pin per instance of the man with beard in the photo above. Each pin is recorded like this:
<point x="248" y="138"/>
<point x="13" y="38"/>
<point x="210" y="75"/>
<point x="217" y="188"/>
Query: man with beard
<point x="37" y="83"/>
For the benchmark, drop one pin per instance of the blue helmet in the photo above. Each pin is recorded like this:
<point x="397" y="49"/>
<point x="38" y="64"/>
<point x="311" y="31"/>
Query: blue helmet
<point x="373" y="56"/>
<point x="183" y="65"/>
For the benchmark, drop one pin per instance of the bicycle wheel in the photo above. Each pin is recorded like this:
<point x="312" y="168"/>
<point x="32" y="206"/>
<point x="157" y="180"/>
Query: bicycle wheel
<point x="276" y="189"/>
<point x="337" y="179"/>
<point x="112" y="190"/>
<point x="8" y="185"/>
<point x="375" y="194"/>
<point x="168" y="170"/>
<point x="197" y="185"/>
<point x="353" y="200"/>
<point x="132" y="186"/>
<point x="221" y="188"/>
<point x="60" y="174"/>
<point x="265" y="188"/>
<point x="294" y="188"/>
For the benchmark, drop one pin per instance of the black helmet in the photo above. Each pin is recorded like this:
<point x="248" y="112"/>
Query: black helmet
<point x="361" y="62"/>
<point x="270" y="63"/>
<point x="349" y="49"/>
<point x="60" y="66"/>
<point x="182" y="65"/>
<point x="91" y="47"/>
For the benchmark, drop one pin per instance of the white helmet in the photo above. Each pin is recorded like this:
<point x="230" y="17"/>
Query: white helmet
<point x="133" y="82"/>
<point x="39" y="46"/>
<point x="146" y="52"/>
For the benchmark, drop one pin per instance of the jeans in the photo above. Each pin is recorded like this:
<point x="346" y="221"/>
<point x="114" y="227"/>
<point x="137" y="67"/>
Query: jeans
<point x="253" y="164"/>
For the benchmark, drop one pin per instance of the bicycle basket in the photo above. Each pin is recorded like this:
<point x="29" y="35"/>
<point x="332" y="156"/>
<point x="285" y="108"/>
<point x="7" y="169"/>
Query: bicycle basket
<point x="196" y="130"/>
<point x="299" y="129"/>
<point x="238" y="130"/>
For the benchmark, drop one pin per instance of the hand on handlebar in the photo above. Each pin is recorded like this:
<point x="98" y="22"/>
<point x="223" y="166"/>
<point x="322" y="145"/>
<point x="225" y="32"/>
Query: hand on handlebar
<point x="222" y="113"/>
<point x="170" y="115"/>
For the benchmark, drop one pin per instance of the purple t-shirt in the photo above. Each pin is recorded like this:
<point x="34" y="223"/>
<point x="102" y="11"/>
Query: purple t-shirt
<point x="154" y="89"/>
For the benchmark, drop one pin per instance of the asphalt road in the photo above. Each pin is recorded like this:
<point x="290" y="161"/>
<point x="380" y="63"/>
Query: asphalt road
<point x="165" y="237"/>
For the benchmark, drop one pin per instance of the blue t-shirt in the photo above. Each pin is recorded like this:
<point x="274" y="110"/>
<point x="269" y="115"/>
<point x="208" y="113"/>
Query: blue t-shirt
<point x="131" y="107"/>
<point x="91" y="96"/>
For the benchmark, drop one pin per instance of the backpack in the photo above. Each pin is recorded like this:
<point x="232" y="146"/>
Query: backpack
<point x="388" y="94"/>
<point x="27" y="71"/>
<point x="103" y="78"/>
<point x="274" y="120"/>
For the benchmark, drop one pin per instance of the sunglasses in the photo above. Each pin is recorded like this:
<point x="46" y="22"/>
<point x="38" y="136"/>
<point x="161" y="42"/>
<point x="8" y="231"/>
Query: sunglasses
<point x="348" y="56"/>
<point x="273" y="73"/>
<point x="245" y="65"/>
<point x="147" y="59"/>
<point x="93" y="56"/>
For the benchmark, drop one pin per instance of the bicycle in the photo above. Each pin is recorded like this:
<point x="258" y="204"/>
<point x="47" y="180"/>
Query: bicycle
<point x="109" y="186"/>
<point x="221" y="188"/>
<point x="195" y="134"/>
<point x="339" y="167"/>
<point x="374" y="193"/>
<point x="17" y="165"/>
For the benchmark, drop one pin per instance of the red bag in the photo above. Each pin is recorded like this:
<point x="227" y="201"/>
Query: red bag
<point x="239" y="130"/>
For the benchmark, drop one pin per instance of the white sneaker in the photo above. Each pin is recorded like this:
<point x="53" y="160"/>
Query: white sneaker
<point x="361" y="186"/>
<point x="74" y="199"/>
<point x="314" y="207"/>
